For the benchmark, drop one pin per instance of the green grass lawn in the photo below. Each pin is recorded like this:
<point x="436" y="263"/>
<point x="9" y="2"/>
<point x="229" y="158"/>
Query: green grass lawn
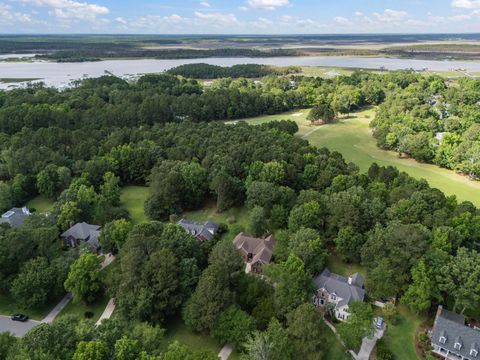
<point x="41" y="204"/>
<point x="79" y="309"/>
<point x="178" y="331"/>
<point x="402" y="335"/>
<point x="132" y="199"/>
<point x="9" y="307"/>
<point x="353" y="139"/>
<point x="335" y="265"/>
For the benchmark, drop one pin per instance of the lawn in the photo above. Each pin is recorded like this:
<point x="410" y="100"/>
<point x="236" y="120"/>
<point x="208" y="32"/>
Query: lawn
<point x="178" y="331"/>
<point x="236" y="218"/>
<point x="402" y="335"/>
<point x="335" y="265"/>
<point x="132" y="199"/>
<point x="334" y="350"/>
<point x="352" y="137"/>
<point x="79" y="309"/>
<point x="41" y="204"/>
<point x="8" y="307"/>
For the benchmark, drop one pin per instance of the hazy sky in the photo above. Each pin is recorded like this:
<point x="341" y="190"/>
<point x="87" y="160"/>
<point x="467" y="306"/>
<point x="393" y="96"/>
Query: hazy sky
<point x="239" y="16"/>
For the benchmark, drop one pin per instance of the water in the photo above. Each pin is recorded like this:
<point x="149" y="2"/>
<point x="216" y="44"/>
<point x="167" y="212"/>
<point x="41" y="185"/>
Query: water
<point x="61" y="74"/>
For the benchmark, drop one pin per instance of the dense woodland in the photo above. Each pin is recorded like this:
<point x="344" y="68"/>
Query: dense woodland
<point x="79" y="146"/>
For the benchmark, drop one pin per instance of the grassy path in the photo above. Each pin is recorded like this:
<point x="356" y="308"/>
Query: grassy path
<point x="353" y="139"/>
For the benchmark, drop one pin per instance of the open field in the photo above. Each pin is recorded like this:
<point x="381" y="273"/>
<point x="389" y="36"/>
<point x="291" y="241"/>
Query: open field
<point x="132" y="199"/>
<point x="353" y="139"/>
<point x="41" y="204"/>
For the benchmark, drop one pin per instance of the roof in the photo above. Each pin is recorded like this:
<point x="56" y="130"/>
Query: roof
<point x="340" y="286"/>
<point x="206" y="230"/>
<point x="84" y="232"/>
<point x="261" y="249"/>
<point x="452" y="327"/>
<point x="15" y="216"/>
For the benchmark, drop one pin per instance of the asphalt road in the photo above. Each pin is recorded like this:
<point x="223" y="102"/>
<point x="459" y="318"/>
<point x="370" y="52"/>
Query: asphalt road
<point x="17" y="328"/>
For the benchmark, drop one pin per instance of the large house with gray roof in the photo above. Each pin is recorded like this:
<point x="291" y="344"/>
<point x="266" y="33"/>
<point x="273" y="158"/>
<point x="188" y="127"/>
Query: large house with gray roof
<point x="452" y="339"/>
<point x="255" y="252"/>
<point x="15" y="217"/>
<point x="338" y="292"/>
<point x="83" y="233"/>
<point x="202" y="231"/>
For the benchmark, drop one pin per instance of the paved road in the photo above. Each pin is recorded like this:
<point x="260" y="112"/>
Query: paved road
<point x="107" y="312"/>
<point x="225" y="352"/>
<point x="367" y="346"/>
<point x="17" y="328"/>
<point x="57" y="309"/>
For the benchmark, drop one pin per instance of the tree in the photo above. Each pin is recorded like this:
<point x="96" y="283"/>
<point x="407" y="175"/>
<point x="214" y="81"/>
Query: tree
<point x="83" y="279"/>
<point x="69" y="212"/>
<point x="308" y="215"/>
<point x="272" y="344"/>
<point x="306" y="244"/>
<point x="305" y="331"/>
<point x="114" y="234"/>
<point x="126" y="349"/>
<point x="390" y="313"/>
<point x="322" y="110"/>
<point x="110" y="189"/>
<point x="258" y="221"/>
<point x="7" y="344"/>
<point x="346" y="98"/>
<point x="177" y="351"/>
<point x="6" y="199"/>
<point x="349" y="244"/>
<point x="293" y="285"/>
<point x="460" y="278"/>
<point x="358" y="325"/>
<point x="233" y="326"/>
<point x="49" y="183"/>
<point x="419" y="293"/>
<point x="91" y="350"/>
<point x="34" y="284"/>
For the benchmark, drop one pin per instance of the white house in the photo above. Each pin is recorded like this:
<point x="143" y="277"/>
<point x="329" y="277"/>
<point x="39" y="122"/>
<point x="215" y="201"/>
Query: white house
<point x="338" y="292"/>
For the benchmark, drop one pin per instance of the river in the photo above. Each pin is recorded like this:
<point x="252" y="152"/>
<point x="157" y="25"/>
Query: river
<point x="61" y="74"/>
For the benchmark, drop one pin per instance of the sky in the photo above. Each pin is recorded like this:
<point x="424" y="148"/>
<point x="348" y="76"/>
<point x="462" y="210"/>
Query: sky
<point x="239" y="16"/>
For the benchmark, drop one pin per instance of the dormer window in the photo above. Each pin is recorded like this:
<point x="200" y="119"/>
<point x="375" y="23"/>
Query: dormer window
<point x="473" y="352"/>
<point x="333" y="296"/>
<point x="443" y="339"/>
<point x="457" y="346"/>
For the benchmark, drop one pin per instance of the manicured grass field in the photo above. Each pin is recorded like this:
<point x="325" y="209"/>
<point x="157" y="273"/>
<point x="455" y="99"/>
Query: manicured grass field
<point x="353" y="139"/>
<point x="41" y="204"/>
<point x="8" y="307"/>
<point x="335" y="265"/>
<point x="132" y="199"/>
<point x="402" y="335"/>
<point x="79" y="309"/>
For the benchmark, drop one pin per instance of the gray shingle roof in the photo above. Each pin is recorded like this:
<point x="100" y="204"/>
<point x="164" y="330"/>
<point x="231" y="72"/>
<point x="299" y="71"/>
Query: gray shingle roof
<point x="206" y="230"/>
<point x="15" y="217"/>
<point x="84" y="232"/>
<point x="334" y="283"/>
<point x="452" y="327"/>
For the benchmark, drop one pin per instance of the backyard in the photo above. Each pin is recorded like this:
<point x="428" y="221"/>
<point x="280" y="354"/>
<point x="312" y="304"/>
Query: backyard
<point x="41" y="204"/>
<point x="132" y="199"/>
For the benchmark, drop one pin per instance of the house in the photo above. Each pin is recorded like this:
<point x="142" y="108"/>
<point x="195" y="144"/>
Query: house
<point x="256" y="252"/>
<point x="83" y="232"/>
<point x="452" y="339"/>
<point x="202" y="231"/>
<point x="338" y="292"/>
<point x="15" y="217"/>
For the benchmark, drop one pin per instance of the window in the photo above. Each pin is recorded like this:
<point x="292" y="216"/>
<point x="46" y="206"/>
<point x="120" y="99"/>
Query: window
<point x="333" y="297"/>
<point x="457" y="346"/>
<point x="443" y="339"/>
<point x="473" y="352"/>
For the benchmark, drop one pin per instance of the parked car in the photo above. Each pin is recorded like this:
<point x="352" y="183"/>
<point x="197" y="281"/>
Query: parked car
<point x="379" y="323"/>
<point x="19" y="317"/>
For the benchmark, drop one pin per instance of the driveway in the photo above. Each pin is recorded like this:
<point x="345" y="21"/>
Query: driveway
<point x="367" y="346"/>
<point x="17" y="328"/>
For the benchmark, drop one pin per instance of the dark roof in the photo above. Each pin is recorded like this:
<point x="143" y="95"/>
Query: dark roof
<point x="260" y="249"/>
<point x="206" y="230"/>
<point x="452" y="327"/>
<point x="340" y="285"/>
<point x="15" y="216"/>
<point x="84" y="232"/>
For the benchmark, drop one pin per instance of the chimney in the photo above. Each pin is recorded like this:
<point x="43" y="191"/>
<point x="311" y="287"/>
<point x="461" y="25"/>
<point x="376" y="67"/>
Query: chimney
<point x="350" y="280"/>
